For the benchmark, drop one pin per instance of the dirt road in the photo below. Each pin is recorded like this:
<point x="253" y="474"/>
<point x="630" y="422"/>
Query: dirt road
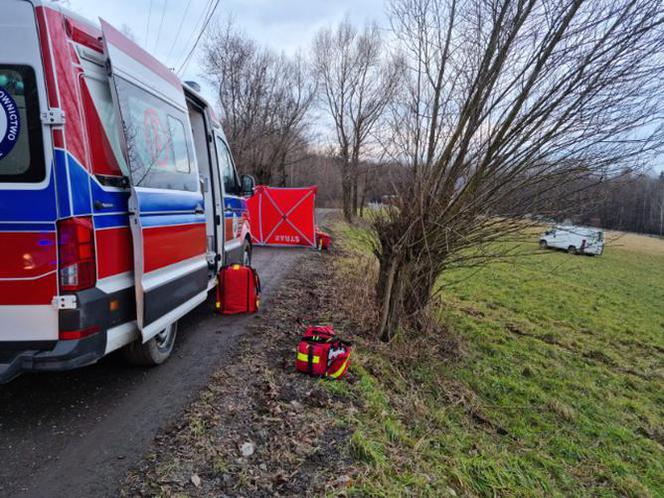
<point x="75" y="434"/>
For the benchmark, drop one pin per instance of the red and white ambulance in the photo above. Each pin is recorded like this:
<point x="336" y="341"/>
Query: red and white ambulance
<point x="119" y="198"/>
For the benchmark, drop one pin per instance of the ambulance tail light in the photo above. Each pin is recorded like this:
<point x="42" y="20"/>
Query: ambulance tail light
<point x="76" y="249"/>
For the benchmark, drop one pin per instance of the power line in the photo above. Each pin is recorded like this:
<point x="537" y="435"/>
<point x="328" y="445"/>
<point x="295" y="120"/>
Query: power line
<point x="147" y="26"/>
<point x="161" y="23"/>
<point x="177" y="34"/>
<point x="198" y="39"/>
<point x="200" y="35"/>
<point x="201" y="19"/>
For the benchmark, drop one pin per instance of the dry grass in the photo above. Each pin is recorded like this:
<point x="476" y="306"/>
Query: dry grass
<point x="615" y="239"/>
<point x="257" y="399"/>
<point x="634" y="242"/>
<point x="355" y="278"/>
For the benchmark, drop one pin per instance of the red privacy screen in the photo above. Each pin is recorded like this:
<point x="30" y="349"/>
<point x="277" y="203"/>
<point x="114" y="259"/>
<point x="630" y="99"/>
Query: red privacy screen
<point x="283" y="216"/>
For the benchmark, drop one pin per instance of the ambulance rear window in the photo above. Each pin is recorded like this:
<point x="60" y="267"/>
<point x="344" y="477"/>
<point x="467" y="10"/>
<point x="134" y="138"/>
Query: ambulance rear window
<point x="21" y="150"/>
<point x="158" y="146"/>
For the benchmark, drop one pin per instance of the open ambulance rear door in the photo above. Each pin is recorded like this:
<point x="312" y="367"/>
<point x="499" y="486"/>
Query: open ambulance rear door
<point x="166" y="206"/>
<point x="28" y="199"/>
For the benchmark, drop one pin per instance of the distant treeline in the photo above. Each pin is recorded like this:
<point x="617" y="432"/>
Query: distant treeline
<point x="633" y="203"/>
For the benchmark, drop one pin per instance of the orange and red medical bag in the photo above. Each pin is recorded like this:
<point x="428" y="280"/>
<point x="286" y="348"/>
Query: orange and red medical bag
<point x="323" y="240"/>
<point x="238" y="291"/>
<point x="321" y="353"/>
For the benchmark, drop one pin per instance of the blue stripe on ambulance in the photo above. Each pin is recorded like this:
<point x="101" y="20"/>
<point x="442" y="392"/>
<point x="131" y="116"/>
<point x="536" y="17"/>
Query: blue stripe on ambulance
<point x="111" y="221"/>
<point x="109" y="201"/>
<point x="80" y="187"/>
<point x="178" y="201"/>
<point x="27" y="227"/>
<point x="235" y="203"/>
<point x="60" y="169"/>
<point x="158" y="220"/>
<point x="29" y="205"/>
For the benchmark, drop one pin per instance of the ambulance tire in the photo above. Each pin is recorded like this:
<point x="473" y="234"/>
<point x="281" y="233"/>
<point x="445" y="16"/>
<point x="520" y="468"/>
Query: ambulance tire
<point x="246" y="253"/>
<point x="572" y="250"/>
<point x="543" y="244"/>
<point x="154" y="352"/>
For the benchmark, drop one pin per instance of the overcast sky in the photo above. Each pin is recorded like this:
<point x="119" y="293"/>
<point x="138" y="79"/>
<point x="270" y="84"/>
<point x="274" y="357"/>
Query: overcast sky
<point x="284" y="25"/>
<point x="168" y="28"/>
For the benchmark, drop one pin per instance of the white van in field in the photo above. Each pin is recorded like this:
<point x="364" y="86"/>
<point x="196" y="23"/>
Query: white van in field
<point x="574" y="239"/>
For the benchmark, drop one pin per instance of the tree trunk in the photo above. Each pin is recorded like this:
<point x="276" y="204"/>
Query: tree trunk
<point x="354" y="168"/>
<point x="283" y="175"/>
<point x="263" y="175"/>
<point x="390" y="292"/>
<point x="403" y="289"/>
<point x="355" y="182"/>
<point x="420" y="287"/>
<point x="347" y="188"/>
<point x="363" y="199"/>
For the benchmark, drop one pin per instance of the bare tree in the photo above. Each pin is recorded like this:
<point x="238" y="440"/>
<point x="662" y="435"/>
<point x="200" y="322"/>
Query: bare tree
<point x="506" y="102"/>
<point x="631" y="201"/>
<point x="265" y="100"/>
<point x="660" y="203"/>
<point x="356" y="82"/>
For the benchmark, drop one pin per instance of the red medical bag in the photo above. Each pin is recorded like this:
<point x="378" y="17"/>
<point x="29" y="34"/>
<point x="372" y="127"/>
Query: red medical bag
<point x="323" y="240"/>
<point x="238" y="291"/>
<point x="321" y="353"/>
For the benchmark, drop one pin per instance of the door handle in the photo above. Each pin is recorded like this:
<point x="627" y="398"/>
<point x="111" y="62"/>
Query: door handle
<point x="103" y="205"/>
<point x="199" y="210"/>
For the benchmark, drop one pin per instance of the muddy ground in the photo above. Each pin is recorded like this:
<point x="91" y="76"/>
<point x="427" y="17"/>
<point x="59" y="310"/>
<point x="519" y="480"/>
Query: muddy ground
<point x="261" y="428"/>
<point x="77" y="433"/>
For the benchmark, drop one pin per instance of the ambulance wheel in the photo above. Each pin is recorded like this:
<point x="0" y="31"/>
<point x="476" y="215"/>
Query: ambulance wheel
<point x="572" y="250"/>
<point x="543" y="244"/>
<point x="246" y="253"/>
<point x="154" y="352"/>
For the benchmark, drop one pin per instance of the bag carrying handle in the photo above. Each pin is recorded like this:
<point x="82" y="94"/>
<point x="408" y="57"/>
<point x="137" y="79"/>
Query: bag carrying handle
<point x="317" y="339"/>
<point x="329" y="340"/>
<point x="323" y="330"/>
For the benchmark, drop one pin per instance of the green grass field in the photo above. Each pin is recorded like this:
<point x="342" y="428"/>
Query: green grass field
<point x="558" y="390"/>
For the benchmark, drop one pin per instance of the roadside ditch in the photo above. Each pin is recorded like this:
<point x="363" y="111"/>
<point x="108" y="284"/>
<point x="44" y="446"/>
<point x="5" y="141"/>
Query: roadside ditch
<point x="260" y="428"/>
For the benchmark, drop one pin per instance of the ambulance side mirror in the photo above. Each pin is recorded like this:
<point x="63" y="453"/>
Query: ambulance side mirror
<point x="248" y="185"/>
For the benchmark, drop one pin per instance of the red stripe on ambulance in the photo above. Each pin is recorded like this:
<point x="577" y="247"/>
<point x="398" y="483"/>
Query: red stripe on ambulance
<point x="114" y="251"/>
<point x="67" y="81"/>
<point x="27" y="254"/>
<point x="166" y="245"/>
<point x="28" y="292"/>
